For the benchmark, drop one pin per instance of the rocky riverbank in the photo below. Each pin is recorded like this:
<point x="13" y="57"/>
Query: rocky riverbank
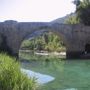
<point x="45" y="53"/>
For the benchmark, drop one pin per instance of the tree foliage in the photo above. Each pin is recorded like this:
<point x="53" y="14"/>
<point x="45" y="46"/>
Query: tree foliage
<point x="83" y="12"/>
<point x="72" y="20"/>
<point x="47" y="41"/>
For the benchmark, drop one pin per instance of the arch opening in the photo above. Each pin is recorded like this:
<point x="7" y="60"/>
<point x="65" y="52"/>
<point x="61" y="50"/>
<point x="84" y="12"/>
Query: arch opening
<point x="87" y="48"/>
<point x="44" y="43"/>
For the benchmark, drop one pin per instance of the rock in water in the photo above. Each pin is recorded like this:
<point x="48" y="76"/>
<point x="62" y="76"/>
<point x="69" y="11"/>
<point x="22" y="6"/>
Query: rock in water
<point x="41" y="78"/>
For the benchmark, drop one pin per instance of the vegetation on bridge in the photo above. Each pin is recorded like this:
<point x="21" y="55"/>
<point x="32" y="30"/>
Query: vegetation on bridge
<point x="82" y="14"/>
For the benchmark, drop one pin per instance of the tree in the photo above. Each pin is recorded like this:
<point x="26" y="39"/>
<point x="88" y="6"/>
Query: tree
<point x="47" y="41"/>
<point x="72" y="20"/>
<point x="83" y="12"/>
<point x="76" y="2"/>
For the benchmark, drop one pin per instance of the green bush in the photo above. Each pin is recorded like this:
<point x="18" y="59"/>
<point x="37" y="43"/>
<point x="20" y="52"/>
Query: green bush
<point x="83" y="12"/>
<point x="47" y="41"/>
<point x="11" y="77"/>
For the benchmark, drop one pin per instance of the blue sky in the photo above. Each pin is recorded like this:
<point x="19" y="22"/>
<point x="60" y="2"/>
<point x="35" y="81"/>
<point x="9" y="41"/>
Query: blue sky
<point x="35" y="10"/>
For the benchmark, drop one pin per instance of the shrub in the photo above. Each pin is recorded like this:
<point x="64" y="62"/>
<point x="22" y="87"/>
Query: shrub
<point x="11" y="77"/>
<point x="83" y="12"/>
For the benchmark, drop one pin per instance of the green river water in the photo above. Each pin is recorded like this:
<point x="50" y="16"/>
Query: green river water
<point x="68" y="74"/>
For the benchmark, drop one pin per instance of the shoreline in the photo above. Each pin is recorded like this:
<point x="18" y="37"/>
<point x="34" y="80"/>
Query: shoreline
<point x="44" y="53"/>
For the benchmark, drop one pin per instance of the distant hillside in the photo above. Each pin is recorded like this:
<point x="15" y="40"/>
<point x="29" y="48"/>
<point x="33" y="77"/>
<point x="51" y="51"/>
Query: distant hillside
<point x="63" y="19"/>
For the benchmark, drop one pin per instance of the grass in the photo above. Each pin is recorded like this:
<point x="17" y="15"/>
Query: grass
<point x="11" y="77"/>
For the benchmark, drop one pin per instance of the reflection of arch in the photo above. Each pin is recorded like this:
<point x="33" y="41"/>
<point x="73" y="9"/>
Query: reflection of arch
<point x="87" y="48"/>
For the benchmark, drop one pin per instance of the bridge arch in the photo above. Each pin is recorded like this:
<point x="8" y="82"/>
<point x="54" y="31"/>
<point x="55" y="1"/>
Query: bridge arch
<point x="39" y="32"/>
<point x="72" y="35"/>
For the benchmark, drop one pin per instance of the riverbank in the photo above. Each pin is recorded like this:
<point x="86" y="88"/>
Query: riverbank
<point x="44" y="53"/>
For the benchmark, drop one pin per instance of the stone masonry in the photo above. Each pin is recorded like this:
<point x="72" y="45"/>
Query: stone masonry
<point x="75" y="37"/>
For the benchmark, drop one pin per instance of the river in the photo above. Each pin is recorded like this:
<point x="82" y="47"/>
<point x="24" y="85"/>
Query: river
<point x="67" y="74"/>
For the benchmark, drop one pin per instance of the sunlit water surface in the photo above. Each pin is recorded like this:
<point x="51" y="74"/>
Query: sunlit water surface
<point x="68" y="74"/>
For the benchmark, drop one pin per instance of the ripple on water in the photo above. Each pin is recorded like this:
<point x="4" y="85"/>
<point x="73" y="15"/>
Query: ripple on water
<point x="71" y="89"/>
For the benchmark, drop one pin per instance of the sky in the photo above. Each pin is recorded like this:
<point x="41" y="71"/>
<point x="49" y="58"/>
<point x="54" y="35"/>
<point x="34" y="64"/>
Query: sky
<point x="35" y="10"/>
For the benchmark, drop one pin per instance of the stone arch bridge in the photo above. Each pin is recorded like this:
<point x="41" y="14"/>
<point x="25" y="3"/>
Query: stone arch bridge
<point x="75" y="37"/>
